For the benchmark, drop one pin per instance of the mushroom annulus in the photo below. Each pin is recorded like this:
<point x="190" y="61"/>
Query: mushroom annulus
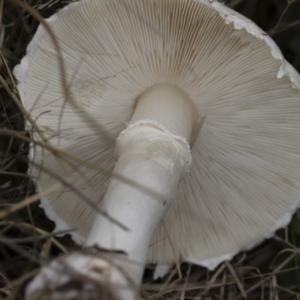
<point x="187" y="99"/>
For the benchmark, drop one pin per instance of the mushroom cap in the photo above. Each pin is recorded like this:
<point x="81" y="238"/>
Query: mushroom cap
<point x="244" y="181"/>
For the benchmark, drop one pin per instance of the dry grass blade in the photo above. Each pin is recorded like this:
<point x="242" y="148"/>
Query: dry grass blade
<point x="285" y="262"/>
<point x="39" y="231"/>
<point x="68" y="97"/>
<point x="28" y="117"/>
<point x="288" y="291"/>
<point x="283" y="28"/>
<point x="29" y="200"/>
<point x="1" y="24"/>
<point x="251" y="289"/>
<point x="212" y="281"/>
<point x="234" y="3"/>
<point x="176" y="259"/>
<point x="65" y="154"/>
<point x="23" y="278"/>
<point x="233" y="273"/>
<point x="289" y="3"/>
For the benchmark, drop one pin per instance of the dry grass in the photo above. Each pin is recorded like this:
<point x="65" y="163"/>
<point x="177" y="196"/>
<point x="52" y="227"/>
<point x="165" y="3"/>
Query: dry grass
<point x="270" y="271"/>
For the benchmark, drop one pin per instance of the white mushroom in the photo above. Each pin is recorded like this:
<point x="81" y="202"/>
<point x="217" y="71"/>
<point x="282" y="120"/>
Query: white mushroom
<point x="162" y="67"/>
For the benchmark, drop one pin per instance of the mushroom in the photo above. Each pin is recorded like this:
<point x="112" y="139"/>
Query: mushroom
<point x="190" y="102"/>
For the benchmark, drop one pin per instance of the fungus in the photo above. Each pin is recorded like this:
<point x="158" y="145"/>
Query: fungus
<point x="148" y="73"/>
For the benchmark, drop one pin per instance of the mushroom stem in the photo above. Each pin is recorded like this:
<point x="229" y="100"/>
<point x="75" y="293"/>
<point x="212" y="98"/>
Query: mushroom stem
<point x="155" y="159"/>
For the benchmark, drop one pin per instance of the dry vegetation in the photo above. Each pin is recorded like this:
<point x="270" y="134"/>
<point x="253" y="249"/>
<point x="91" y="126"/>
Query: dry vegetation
<point x="270" y="271"/>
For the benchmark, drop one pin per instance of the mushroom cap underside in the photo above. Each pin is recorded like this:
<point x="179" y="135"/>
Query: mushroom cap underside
<point x="244" y="181"/>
